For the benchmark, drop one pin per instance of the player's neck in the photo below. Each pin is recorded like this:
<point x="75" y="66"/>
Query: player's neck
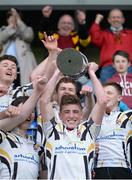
<point x="123" y="73"/>
<point x="20" y="132"/>
<point x="7" y="84"/>
<point x="111" y="109"/>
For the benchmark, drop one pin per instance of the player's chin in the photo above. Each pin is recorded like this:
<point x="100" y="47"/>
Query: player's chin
<point x="71" y="126"/>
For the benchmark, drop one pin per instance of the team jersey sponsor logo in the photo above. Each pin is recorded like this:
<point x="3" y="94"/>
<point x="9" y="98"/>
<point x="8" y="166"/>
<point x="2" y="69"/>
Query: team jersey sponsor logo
<point x="112" y="136"/>
<point x="30" y="158"/>
<point x="73" y="148"/>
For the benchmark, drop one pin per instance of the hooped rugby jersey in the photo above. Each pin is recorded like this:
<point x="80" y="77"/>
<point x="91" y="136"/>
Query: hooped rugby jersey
<point x="113" y="140"/>
<point x="19" y="157"/>
<point x="69" y="154"/>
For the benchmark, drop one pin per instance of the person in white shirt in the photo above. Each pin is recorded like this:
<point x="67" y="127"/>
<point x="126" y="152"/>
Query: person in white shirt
<point x="20" y="156"/>
<point x="69" y="143"/>
<point x="111" y="160"/>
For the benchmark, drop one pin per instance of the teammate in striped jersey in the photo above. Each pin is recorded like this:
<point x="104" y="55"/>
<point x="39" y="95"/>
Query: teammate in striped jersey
<point x="112" y="160"/>
<point x="19" y="156"/>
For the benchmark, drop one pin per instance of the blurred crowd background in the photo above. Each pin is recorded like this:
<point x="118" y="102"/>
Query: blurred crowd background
<point x="32" y="18"/>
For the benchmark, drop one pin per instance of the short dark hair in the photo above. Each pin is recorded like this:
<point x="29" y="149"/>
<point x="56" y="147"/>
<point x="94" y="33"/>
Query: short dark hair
<point x="70" y="99"/>
<point x="114" y="84"/>
<point x="121" y="53"/>
<point x="19" y="100"/>
<point x="9" y="57"/>
<point x="66" y="79"/>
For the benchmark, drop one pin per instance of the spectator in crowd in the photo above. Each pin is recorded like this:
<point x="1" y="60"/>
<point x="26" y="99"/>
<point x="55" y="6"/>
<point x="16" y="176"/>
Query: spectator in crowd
<point x="15" y="39"/>
<point x="20" y="157"/>
<point x="121" y="63"/>
<point x="110" y="40"/>
<point x="111" y="160"/>
<point x="48" y="22"/>
<point x="69" y="142"/>
<point x="66" y="36"/>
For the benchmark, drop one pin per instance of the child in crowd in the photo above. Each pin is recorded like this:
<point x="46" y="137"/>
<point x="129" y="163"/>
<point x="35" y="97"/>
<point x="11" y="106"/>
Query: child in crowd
<point x="121" y="63"/>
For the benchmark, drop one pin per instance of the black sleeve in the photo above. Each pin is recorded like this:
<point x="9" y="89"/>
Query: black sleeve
<point x="47" y="25"/>
<point x="83" y="31"/>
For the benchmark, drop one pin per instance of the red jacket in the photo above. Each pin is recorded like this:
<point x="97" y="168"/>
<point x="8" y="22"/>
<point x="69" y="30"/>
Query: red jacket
<point x="110" y="42"/>
<point x="126" y="83"/>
